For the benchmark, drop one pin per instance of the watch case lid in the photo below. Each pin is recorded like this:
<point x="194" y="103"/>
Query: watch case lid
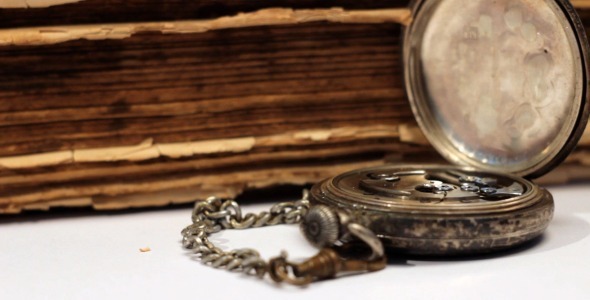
<point x="498" y="85"/>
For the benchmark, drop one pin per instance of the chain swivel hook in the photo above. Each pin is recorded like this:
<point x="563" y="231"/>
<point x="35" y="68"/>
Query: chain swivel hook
<point x="328" y="263"/>
<point x="346" y="247"/>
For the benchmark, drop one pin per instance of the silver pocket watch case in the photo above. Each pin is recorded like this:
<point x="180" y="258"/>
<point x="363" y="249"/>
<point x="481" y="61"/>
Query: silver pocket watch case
<point x="499" y="88"/>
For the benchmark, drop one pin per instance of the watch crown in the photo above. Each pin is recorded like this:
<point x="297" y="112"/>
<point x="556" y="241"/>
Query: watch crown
<point x="321" y="226"/>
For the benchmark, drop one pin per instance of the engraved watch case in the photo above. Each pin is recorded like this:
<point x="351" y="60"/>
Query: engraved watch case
<point x="499" y="88"/>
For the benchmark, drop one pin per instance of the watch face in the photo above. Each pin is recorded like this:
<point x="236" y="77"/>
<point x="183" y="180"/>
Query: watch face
<point x="431" y="189"/>
<point x="499" y="84"/>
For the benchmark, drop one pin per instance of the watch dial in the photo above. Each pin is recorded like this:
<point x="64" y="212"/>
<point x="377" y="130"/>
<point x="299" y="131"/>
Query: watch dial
<point x="434" y="189"/>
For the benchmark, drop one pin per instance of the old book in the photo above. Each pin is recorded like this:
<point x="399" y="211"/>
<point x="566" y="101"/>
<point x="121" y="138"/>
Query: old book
<point x="116" y="104"/>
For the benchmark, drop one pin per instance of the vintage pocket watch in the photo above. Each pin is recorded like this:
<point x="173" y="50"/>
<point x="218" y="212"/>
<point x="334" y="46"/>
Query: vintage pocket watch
<point x="499" y="88"/>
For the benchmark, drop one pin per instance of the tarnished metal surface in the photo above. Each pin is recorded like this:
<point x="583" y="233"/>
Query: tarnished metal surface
<point x="497" y="84"/>
<point x="461" y="211"/>
<point x="343" y="252"/>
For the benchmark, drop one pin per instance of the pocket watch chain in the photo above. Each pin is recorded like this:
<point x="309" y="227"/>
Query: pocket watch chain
<point x="346" y="253"/>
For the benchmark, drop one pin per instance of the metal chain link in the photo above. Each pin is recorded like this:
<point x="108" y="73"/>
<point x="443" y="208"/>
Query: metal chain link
<point x="215" y="214"/>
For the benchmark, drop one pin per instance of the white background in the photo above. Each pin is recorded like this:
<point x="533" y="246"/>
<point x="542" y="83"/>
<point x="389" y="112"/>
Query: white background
<point x="88" y="255"/>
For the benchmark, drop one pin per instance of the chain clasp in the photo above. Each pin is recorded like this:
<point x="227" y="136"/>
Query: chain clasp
<point x="363" y="255"/>
<point x="328" y="263"/>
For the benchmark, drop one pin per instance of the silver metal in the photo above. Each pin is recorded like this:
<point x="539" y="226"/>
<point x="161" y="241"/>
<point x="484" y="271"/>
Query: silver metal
<point x="324" y="226"/>
<point x="214" y="214"/>
<point x="498" y="85"/>
<point x="321" y="226"/>
<point x="369" y="238"/>
<point x="439" y="210"/>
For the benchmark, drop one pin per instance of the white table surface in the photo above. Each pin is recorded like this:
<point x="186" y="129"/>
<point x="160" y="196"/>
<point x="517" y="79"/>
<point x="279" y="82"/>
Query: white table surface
<point x="87" y="255"/>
